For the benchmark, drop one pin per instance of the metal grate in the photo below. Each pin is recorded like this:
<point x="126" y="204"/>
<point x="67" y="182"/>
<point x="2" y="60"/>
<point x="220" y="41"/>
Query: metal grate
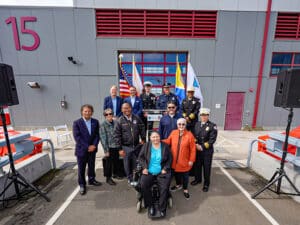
<point x="159" y="23"/>
<point x="288" y="26"/>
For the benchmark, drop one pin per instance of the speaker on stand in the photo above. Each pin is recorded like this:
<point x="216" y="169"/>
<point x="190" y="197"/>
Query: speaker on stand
<point x="9" y="97"/>
<point x="287" y="95"/>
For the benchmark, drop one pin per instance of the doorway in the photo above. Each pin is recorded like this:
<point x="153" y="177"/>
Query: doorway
<point x="234" y="110"/>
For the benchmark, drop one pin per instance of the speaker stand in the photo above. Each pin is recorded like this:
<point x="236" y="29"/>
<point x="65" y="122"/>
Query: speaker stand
<point x="280" y="172"/>
<point x="14" y="177"/>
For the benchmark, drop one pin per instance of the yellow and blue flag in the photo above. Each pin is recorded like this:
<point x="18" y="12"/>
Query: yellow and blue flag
<point x="179" y="85"/>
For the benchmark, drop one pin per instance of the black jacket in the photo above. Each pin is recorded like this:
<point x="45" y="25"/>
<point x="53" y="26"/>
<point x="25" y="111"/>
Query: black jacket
<point x="145" y="155"/>
<point x="206" y="133"/>
<point x="128" y="133"/>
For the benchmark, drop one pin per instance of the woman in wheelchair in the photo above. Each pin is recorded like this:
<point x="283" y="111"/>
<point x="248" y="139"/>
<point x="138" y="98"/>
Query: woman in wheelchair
<point x="155" y="159"/>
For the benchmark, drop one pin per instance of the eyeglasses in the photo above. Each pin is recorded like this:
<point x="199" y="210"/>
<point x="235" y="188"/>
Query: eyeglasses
<point x="203" y="114"/>
<point x="181" y="124"/>
<point x="108" y="114"/>
<point x="171" y="107"/>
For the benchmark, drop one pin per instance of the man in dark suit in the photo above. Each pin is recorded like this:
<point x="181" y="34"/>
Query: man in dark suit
<point x="113" y="102"/>
<point x="135" y="102"/>
<point x="86" y="135"/>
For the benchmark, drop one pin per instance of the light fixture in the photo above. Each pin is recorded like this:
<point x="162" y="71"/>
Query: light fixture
<point x="71" y="59"/>
<point x="33" y="84"/>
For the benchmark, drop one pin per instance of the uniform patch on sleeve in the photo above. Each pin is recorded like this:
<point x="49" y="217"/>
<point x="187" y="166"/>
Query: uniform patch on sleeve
<point x="215" y="127"/>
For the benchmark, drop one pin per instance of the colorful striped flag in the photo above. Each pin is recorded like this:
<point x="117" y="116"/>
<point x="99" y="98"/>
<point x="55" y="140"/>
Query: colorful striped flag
<point x="179" y="85"/>
<point x="123" y="82"/>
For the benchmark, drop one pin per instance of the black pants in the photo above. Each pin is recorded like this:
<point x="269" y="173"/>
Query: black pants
<point x="182" y="178"/>
<point x="88" y="158"/>
<point x="111" y="164"/>
<point x="163" y="182"/>
<point x="203" y="163"/>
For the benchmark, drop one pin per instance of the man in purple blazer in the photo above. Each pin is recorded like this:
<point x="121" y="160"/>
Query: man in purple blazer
<point x="113" y="102"/>
<point x="86" y="135"/>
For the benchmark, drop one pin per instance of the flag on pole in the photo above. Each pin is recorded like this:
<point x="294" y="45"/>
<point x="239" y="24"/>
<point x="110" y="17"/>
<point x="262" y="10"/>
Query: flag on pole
<point x="192" y="81"/>
<point x="123" y="82"/>
<point x="179" y="86"/>
<point x="136" y="79"/>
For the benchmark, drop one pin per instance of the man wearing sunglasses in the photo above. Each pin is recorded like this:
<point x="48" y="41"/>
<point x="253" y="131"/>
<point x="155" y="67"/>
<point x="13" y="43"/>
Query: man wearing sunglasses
<point x="168" y="122"/>
<point x="206" y="135"/>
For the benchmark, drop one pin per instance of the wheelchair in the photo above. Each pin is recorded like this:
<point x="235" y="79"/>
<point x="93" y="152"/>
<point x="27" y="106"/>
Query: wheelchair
<point x="140" y="205"/>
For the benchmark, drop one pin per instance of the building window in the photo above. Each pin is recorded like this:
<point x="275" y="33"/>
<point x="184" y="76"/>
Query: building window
<point x="284" y="61"/>
<point x="288" y="26"/>
<point x="156" y="23"/>
<point x="156" y="67"/>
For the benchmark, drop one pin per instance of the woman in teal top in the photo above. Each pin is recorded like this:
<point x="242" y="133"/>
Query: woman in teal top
<point x="155" y="159"/>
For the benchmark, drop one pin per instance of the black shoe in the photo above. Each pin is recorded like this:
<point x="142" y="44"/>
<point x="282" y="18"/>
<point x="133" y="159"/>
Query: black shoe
<point x="95" y="183"/>
<point x="205" y="189"/>
<point x="110" y="181"/>
<point x="82" y="190"/>
<point x="186" y="195"/>
<point x="195" y="182"/>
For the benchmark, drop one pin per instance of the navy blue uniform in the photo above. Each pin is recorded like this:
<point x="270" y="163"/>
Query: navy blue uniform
<point x="206" y="136"/>
<point x="190" y="108"/>
<point x="162" y="100"/>
<point x="167" y="124"/>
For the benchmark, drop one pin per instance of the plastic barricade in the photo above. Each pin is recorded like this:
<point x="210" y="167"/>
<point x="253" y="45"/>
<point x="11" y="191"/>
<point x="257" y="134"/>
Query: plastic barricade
<point x="37" y="147"/>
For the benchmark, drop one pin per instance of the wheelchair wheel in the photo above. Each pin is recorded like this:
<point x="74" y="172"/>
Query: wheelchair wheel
<point x="170" y="202"/>
<point x="139" y="206"/>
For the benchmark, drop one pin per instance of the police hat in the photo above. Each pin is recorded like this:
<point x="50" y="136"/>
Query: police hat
<point x="204" y="111"/>
<point x="166" y="85"/>
<point x="147" y="83"/>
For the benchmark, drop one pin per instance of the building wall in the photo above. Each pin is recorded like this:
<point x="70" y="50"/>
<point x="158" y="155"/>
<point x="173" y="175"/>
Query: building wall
<point x="228" y="63"/>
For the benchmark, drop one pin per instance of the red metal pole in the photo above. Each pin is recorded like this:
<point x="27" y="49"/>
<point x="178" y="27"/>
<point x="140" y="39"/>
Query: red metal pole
<point x="262" y="62"/>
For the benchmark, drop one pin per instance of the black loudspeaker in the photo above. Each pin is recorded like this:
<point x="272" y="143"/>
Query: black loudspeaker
<point x="287" y="93"/>
<point x="8" y="89"/>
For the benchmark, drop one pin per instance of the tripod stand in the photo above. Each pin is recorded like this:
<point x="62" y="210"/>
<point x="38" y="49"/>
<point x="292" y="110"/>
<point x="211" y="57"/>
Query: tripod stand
<point x="14" y="177"/>
<point x="280" y="172"/>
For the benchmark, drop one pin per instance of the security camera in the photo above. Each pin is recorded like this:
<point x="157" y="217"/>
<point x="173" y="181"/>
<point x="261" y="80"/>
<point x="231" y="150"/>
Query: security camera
<point x="72" y="60"/>
<point x="33" y="84"/>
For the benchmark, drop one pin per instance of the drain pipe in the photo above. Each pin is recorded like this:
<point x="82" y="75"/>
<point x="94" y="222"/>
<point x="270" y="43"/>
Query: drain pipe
<point x="261" y="63"/>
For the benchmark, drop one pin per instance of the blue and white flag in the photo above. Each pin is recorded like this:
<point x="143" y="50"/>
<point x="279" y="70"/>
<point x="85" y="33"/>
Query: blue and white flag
<point x="179" y="85"/>
<point x="192" y="81"/>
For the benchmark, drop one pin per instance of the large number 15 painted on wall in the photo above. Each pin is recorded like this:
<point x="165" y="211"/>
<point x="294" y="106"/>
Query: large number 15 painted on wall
<point x="35" y="36"/>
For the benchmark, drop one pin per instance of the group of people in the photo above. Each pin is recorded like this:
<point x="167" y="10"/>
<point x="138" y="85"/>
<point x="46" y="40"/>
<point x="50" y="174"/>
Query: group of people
<point x="182" y="143"/>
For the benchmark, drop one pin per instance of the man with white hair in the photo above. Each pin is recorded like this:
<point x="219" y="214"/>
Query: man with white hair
<point x="113" y="102"/>
<point x="205" y="133"/>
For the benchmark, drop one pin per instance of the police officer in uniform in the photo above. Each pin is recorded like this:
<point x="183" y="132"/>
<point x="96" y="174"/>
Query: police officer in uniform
<point x="149" y="100"/>
<point x="206" y="134"/>
<point x="190" y="108"/>
<point x="166" y="97"/>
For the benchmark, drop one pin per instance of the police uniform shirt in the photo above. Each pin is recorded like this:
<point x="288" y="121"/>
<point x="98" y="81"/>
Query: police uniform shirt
<point x="206" y="133"/>
<point x="148" y="101"/>
<point x="190" y="108"/>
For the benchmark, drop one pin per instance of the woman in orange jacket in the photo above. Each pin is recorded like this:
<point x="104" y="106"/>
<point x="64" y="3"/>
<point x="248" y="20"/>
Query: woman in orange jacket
<point x="183" y="148"/>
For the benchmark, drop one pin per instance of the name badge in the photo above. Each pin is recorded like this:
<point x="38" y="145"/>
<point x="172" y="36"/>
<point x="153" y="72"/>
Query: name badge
<point x="134" y="121"/>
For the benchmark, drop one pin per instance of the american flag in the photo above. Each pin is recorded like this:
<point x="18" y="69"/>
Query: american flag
<point x="123" y="82"/>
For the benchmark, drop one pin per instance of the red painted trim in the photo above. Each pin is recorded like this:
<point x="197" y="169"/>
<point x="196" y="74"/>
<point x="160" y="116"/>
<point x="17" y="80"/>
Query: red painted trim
<point x="262" y="62"/>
